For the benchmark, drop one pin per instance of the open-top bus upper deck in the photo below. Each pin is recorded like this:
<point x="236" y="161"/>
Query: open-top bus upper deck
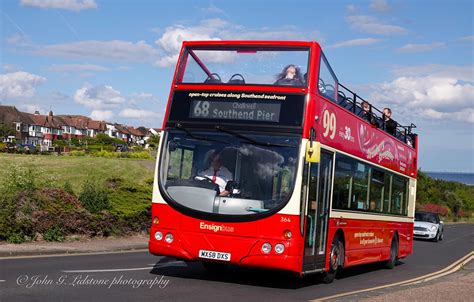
<point x="244" y="85"/>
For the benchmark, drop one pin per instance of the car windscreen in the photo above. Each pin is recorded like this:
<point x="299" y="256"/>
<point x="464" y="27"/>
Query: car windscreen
<point x="427" y="217"/>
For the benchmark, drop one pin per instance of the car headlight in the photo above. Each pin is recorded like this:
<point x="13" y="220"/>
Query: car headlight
<point x="434" y="228"/>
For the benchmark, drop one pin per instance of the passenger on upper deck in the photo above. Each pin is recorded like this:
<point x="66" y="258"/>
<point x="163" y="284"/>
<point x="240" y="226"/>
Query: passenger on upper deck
<point x="290" y="75"/>
<point x="367" y="113"/>
<point x="389" y="124"/>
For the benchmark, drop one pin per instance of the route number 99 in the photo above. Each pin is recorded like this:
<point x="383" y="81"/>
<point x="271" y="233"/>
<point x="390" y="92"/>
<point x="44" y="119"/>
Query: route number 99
<point x="201" y="109"/>
<point x="329" y="124"/>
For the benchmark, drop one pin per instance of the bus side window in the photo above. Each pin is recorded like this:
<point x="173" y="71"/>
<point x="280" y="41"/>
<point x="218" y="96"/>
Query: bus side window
<point x="327" y="81"/>
<point x="398" y="195"/>
<point x="376" y="190"/>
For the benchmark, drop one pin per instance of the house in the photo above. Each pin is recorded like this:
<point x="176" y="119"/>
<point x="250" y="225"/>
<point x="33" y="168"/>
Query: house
<point x="26" y="131"/>
<point x="48" y="125"/>
<point x="38" y="129"/>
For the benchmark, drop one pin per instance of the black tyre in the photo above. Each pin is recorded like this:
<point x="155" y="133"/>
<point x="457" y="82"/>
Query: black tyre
<point x="393" y="254"/>
<point x="336" y="257"/>
<point x="436" y="238"/>
<point x="441" y="236"/>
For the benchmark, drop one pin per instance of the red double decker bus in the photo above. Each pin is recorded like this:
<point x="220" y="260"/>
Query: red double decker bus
<point x="266" y="160"/>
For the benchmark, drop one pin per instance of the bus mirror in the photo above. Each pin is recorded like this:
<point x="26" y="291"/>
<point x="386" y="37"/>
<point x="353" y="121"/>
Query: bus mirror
<point x="313" y="152"/>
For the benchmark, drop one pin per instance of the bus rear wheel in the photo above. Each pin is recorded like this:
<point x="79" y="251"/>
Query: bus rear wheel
<point x="335" y="260"/>
<point x="393" y="254"/>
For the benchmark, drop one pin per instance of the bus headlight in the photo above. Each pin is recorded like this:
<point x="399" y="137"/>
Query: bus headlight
<point x="169" y="238"/>
<point x="156" y="220"/>
<point x="266" y="248"/>
<point x="158" y="236"/>
<point x="287" y="234"/>
<point x="279" y="248"/>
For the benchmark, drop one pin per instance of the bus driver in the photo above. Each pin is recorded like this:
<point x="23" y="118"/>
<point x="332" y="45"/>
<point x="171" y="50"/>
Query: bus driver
<point x="219" y="174"/>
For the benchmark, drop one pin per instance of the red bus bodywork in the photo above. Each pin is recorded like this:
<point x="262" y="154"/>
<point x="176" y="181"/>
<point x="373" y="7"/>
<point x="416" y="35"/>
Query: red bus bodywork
<point x="365" y="240"/>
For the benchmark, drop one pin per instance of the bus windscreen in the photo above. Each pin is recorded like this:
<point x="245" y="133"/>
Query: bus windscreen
<point x="245" y="66"/>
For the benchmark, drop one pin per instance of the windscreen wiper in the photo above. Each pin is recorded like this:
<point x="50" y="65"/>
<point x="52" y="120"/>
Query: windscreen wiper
<point x="181" y="127"/>
<point x="251" y="140"/>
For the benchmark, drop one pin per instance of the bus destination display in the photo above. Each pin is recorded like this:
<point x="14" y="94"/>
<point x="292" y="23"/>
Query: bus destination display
<point x="245" y="111"/>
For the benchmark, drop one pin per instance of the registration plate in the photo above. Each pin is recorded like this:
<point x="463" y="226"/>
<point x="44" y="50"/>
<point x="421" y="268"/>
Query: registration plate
<point x="214" y="255"/>
<point x="419" y="233"/>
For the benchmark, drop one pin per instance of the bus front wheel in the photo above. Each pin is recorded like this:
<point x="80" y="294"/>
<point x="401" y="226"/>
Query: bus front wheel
<point x="335" y="260"/>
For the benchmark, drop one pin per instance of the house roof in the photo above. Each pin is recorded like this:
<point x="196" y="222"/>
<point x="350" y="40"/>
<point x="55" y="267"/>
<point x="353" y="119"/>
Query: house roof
<point x="82" y="122"/>
<point x="9" y="115"/>
<point x="49" y="121"/>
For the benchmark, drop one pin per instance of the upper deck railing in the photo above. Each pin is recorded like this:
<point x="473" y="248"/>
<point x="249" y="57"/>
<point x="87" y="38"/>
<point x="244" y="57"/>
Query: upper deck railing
<point x="352" y="102"/>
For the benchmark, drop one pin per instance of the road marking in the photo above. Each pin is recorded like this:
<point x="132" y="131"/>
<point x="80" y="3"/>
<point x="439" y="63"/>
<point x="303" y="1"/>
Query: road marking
<point x="75" y="254"/>
<point x="3" y="280"/>
<point x="447" y="270"/>
<point x="171" y="263"/>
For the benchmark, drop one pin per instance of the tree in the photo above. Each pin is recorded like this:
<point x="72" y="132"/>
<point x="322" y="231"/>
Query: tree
<point x="154" y="141"/>
<point x="6" y="130"/>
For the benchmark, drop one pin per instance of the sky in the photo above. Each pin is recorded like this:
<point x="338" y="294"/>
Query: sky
<point x="114" y="60"/>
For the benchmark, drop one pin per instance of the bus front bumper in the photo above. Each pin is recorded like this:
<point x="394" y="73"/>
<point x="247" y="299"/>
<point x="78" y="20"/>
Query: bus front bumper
<point x="242" y="251"/>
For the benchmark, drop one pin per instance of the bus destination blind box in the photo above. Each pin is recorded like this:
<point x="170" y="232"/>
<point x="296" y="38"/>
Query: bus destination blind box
<point x="238" y="108"/>
<point x="225" y="110"/>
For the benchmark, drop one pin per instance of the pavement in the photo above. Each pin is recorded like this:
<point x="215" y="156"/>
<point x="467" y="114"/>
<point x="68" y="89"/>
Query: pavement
<point x="458" y="286"/>
<point x="75" y="246"/>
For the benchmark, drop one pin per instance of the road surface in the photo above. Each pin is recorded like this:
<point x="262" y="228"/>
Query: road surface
<point x="139" y="276"/>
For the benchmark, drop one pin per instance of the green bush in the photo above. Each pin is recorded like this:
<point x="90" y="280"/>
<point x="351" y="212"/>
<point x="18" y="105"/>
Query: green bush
<point x="55" y="233"/>
<point x="140" y="155"/>
<point x="77" y="153"/>
<point x="93" y="197"/>
<point x="16" y="238"/>
<point x="68" y="188"/>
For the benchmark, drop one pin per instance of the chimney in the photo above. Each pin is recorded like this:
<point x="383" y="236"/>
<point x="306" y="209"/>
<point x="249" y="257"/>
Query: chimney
<point x="50" y="113"/>
<point x="37" y="112"/>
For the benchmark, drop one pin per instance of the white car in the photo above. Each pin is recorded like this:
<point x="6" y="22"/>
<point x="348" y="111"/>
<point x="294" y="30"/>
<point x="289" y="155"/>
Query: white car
<point x="428" y="226"/>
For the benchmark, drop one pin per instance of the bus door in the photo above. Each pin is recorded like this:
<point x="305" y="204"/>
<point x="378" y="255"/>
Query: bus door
<point x="317" y="203"/>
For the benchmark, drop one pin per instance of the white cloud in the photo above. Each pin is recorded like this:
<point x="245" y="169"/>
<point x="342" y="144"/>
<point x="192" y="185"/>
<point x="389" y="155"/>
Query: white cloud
<point x="356" y="42"/>
<point x="462" y="73"/>
<point x="170" y="42"/>
<point x="19" y="84"/>
<point x="72" y="5"/>
<point x="76" y="68"/>
<point x="31" y="108"/>
<point x="138" y="114"/>
<point x="412" y="48"/>
<point x="101" y="115"/>
<point x="142" y="96"/>
<point x="380" y="6"/>
<point x="467" y="38"/>
<point x="216" y="29"/>
<point x="10" y="68"/>
<point x="351" y="9"/>
<point x="212" y="9"/>
<point x="427" y="97"/>
<point x="372" y="25"/>
<point x="98" y="97"/>
<point x="115" y="50"/>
